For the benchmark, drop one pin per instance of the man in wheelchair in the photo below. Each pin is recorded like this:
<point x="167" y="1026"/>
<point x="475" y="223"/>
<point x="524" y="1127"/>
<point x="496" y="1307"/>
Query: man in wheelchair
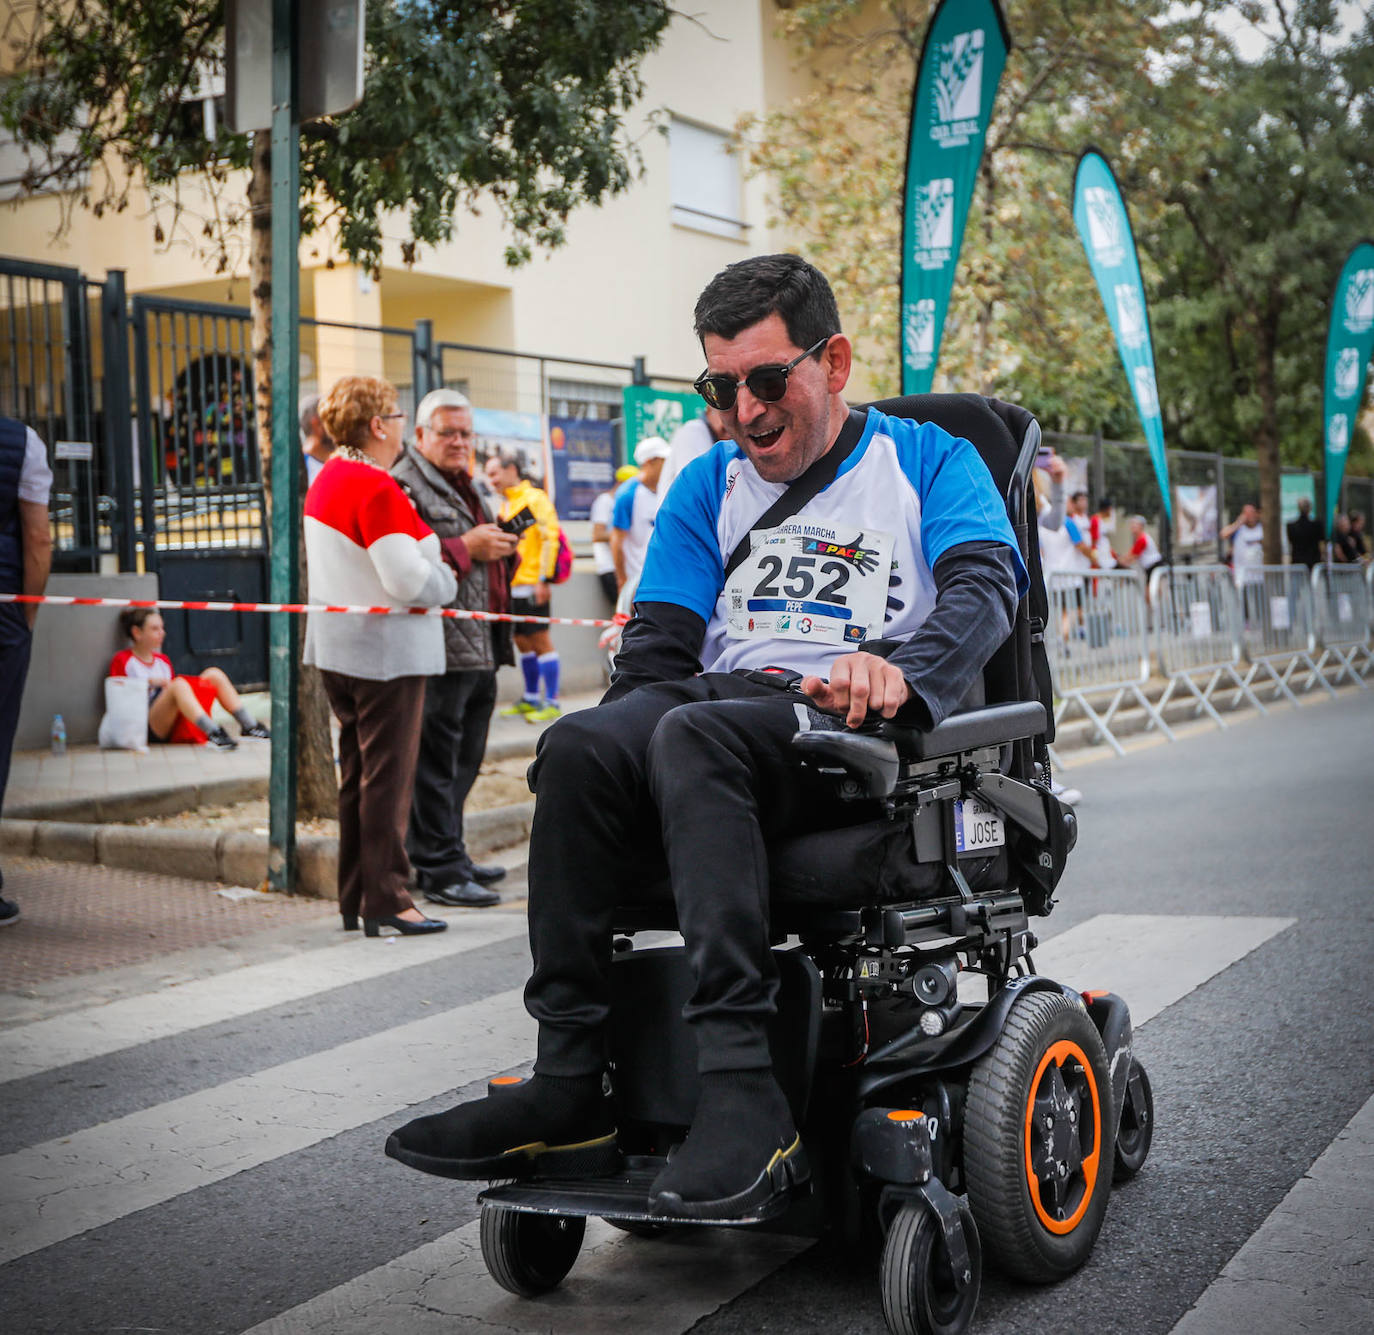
<point x="823" y="567"/>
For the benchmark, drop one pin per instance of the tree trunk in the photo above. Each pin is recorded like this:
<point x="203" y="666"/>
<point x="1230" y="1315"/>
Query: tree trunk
<point x="317" y="790"/>
<point x="1267" y="443"/>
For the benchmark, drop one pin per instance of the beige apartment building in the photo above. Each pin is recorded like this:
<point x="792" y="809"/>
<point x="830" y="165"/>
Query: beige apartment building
<point x="621" y="288"/>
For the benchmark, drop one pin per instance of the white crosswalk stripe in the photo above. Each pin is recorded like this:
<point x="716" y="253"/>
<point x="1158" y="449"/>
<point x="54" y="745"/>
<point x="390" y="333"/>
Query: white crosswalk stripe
<point x="96" y="1031"/>
<point x="61" y="1188"/>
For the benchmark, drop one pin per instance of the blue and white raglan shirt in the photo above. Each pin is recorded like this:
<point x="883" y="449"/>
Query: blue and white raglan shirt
<point x="854" y="564"/>
<point x="634" y="513"/>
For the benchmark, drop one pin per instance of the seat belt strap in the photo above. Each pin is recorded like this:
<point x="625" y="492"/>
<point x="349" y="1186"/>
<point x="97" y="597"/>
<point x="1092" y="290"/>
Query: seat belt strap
<point x="802" y="489"/>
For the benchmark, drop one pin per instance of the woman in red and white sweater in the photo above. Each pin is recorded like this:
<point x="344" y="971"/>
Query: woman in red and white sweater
<point x="365" y="544"/>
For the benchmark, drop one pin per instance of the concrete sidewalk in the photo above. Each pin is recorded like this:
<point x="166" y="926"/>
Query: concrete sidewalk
<point x="90" y="785"/>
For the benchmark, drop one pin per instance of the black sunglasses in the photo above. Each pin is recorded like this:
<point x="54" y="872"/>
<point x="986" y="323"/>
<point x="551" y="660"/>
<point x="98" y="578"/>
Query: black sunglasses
<point x="766" y="383"/>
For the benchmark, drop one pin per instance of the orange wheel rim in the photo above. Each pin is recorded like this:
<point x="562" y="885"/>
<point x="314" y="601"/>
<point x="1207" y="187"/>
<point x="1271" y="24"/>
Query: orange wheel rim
<point x="1058" y="1054"/>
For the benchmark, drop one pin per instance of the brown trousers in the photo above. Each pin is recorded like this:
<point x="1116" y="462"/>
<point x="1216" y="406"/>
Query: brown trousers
<point x="379" y="738"/>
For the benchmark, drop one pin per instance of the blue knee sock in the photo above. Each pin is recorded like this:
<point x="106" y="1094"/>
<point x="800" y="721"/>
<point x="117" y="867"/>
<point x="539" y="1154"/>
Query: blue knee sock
<point x="548" y="670"/>
<point x="529" y="665"/>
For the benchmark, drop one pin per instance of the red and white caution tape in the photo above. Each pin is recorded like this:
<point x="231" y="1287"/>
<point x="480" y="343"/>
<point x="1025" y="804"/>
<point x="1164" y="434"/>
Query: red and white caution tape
<point x="187" y="605"/>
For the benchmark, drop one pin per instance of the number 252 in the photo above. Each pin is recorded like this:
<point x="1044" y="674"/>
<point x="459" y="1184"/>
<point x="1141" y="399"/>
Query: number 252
<point x="800" y="580"/>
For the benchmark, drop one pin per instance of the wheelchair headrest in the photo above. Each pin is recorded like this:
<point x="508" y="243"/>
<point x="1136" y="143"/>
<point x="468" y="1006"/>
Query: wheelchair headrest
<point x="996" y="429"/>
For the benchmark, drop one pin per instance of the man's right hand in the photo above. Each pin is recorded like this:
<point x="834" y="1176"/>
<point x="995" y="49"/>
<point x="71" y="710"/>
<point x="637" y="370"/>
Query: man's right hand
<point x="489" y="542"/>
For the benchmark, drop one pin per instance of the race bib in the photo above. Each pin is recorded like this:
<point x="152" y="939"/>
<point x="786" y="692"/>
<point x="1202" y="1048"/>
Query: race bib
<point x="805" y="581"/>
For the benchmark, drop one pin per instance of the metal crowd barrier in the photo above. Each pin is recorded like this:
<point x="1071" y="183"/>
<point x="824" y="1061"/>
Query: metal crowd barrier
<point x="1278" y="629"/>
<point x="1344" y="601"/>
<point x="1098" y="644"/>
<point x="1197" y="623"/>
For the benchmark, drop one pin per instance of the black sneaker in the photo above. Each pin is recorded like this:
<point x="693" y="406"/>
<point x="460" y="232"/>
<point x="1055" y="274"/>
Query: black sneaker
<point x="557" y="1127"/>
<point x="9" y="912"/>
<point x="742" y="1157"/>
<point x="220" y="740"/>
<point x="258" y="732"/>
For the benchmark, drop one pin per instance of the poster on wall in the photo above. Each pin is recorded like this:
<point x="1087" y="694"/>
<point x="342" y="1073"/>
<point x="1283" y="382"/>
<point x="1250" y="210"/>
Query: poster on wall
<point x="1197" y="515"/>
<point x="582" y="454"/>
<point x="520" y="433"/>
<point x="656" y="412"/>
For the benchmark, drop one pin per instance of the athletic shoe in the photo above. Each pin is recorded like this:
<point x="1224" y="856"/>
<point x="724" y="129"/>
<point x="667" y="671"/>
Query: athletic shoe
<point x="220" y="740"/>
<point x="1069" y="796"/>
<point x="564" y="1126"/>
<point x="741" y="1159"/>
<point x="9" y="912"/>
<point x="258" y="732"/>
<point x="544" y="715"/>
<point x="520" y="709"/>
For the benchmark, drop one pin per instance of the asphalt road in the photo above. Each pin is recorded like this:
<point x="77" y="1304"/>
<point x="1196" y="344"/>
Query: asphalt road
<point x="208" y="1158"/>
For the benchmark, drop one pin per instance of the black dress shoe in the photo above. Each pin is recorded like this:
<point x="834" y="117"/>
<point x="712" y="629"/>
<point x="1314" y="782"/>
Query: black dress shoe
<point x="373" y="926"/>
<point x="463" y="895"/>
<point x="350" y="921"/>
<point x="486" y="875"/>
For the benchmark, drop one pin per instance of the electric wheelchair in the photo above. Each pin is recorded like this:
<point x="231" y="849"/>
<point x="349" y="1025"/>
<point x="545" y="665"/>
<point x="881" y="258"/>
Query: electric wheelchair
<point x="938" y="1125"/>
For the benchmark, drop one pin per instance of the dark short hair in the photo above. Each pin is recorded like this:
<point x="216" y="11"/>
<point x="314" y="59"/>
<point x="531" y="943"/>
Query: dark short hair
<point x="1074" y="495"/>
<point x="133" y="618"/>
<point x="1106" y="503"/>
<point x="751" y="290"/>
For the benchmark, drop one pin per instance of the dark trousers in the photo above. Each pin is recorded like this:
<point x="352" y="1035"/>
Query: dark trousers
<point x="379" y="734"/>
<point x="16" y="642"/>
<point x="453" y="739"/>
<point x="691" y="778"/>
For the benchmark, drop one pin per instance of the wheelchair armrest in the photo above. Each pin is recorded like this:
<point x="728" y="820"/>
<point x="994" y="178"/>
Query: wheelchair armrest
<point x="968" y="731"/>
<point x="873" y="761"/>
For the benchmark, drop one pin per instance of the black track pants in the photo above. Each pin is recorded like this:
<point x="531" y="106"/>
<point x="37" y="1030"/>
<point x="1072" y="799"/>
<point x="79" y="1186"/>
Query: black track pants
<point x="691" y="778"/>
<point x="453" y="740"/>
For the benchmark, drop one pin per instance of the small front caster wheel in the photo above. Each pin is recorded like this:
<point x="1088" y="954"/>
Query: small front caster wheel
<point x="1137" y="1126"/>
<point x="919" y="1293"/>
<point x="529" y="1254"/>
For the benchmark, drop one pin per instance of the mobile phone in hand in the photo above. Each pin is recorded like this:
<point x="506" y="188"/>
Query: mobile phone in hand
<point x="518" y="522"/>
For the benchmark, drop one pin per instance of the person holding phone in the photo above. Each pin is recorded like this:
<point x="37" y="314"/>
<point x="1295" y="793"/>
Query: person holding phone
<point x="527" y="512"/>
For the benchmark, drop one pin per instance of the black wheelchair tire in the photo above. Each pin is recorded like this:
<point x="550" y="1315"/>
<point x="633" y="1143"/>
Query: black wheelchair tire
<point x="1136" y="1128"/>
<point x="918" y="1291"/>
<point x="1004" y="1188"/>
<point x="529" y="1254"/>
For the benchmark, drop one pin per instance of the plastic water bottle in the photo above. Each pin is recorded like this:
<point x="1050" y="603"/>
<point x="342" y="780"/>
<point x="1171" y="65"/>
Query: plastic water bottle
<point x="59" y="736"/>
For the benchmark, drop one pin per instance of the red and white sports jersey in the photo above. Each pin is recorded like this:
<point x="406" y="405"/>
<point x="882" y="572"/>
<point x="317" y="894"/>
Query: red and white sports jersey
<point x="126" y="663"/>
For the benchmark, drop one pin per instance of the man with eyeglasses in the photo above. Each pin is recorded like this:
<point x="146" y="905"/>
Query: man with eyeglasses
<point x="886" y="590"/>
<point x="436" y="473"/>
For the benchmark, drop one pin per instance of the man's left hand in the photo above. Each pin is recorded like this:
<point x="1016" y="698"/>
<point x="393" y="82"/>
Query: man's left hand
<point x="859" y="683"/>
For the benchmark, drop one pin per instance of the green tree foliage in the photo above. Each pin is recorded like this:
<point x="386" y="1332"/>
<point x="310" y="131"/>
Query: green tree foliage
<point x="1247" y="183"/>
<point x="1025" y="321"/>
<point x="1263" y="178"/>
<point x="520" y="103"/>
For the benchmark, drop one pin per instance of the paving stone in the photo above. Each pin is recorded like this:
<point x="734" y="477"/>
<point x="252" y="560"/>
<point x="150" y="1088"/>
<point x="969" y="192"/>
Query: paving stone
<point x="17" y="836"/>
<point x="190" y="853"/>
<point x="242" y="858"/>
<point x="78" y="919"/>
<point x="317" y="866"/>
<point x="65" y="841"/>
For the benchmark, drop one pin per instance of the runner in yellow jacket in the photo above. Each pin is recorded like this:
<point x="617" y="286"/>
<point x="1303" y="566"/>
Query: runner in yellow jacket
<point x="530" y="586"/>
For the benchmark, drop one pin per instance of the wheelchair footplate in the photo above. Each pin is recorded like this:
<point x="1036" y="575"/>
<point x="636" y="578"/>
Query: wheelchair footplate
<point x="622" y="1196"/>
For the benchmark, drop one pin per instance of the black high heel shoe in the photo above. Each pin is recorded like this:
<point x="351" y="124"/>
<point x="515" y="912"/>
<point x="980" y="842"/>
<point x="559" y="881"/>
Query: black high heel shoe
<point x="373" y="926"/>
<point x="350" y="921"/>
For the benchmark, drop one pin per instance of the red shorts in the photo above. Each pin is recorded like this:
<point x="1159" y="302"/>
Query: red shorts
<point x="183" y="730"/>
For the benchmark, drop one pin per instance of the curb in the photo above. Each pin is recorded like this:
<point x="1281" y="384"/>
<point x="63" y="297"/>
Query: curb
<point x="234" y="857"/>
<point x="103" y="810"/>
